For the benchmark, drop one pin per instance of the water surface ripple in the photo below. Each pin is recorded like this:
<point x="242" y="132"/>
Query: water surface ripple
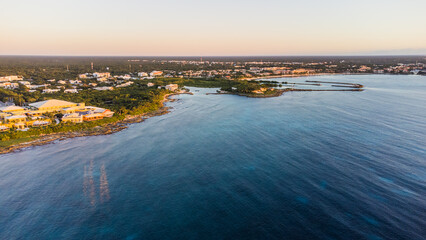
<point x="306" y="165"/>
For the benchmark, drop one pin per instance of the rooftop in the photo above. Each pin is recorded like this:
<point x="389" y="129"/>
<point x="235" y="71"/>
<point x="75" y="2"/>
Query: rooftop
<point x="51" y="103"/>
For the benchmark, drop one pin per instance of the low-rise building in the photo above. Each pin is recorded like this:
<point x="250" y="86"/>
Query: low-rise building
<point x="4" y="128"/>
<point x="72" y="90"/>
<point x="102" y="75"/>
<point x="40" y="123"/>
<point x="25" y="83"/>
<point x="11" y="78"/>
<point x="103" y="88"/>
<point x="75" y="82"/>
<point x="48" y="90"/>
<point x="12" y="109"/>
<point x="172" y="87"/>
<point x="51" y="105"/>
<point x="15" y="119"/>
<point x="9" y="85"/>
<point x="125" y="84"/>
<point x="156" y="73"/>
<point x="91" y="116"/>
<point x="72" y="117"/>
<point x="142" y="74"/>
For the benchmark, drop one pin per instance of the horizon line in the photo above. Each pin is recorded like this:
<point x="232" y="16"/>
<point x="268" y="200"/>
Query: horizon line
<point x="304" y="55"/>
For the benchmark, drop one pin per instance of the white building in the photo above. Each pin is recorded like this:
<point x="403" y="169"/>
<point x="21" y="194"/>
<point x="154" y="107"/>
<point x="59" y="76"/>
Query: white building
<point x="47" y="90"/>
<point x="142" y="74"/>
<point x="70" y="91"/>
<point x="103" y="88"/>
<point x="102" y="75"/>
<point x="25" y="83"/>
<point x="125" y="84"/>
<point x="9" y="85"/>
<point x="172" y="87"/>
<point x="11" y="78"/>
<point x="75" y="81"/>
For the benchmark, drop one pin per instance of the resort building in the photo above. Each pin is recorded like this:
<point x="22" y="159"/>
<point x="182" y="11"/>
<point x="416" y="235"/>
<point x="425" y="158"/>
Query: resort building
<point x="102" y="75"/>
<point x="12" y="109"/>
<point x="72" y="117"/>
<point x="51" y="105"/>
<point x="91" y="116"/>
<point x="4" y="128"/>
<point x="15" y="119"/>
<point x="39" y="123"/>
<point x="9" y="85"/>
<point x="172" y="87"/>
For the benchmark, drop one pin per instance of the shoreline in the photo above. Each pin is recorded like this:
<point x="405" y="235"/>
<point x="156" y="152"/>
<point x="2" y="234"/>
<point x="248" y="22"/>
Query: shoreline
<point x="300" y="75"/>
<point x="96" y="131"/>
<point x="279" y="92"/>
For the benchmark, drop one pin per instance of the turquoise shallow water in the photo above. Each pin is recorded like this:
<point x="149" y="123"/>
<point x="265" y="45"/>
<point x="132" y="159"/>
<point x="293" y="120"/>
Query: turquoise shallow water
<point x="306" y="165"/>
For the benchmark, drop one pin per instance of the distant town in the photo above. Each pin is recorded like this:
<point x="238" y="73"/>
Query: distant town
<point x="202" y="69"/>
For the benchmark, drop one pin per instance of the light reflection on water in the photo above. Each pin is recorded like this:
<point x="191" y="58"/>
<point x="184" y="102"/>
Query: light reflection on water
<point x="89" y="185"/>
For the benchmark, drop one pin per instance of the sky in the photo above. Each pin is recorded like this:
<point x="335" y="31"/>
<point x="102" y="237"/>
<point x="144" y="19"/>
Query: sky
<point x="212" y="28"/>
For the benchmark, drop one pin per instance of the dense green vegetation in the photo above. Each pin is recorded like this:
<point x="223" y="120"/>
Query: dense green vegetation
<point x="133" y="100"/>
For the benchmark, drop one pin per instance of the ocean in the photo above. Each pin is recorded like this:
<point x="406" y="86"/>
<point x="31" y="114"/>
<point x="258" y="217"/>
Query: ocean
<point x="305" y="165"/>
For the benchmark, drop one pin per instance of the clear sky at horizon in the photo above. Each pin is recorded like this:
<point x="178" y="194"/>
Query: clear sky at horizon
<point x="201" y="28"/>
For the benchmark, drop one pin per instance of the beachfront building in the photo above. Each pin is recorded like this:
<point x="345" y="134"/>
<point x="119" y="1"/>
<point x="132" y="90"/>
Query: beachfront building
<point x="20" y="118"/>
<point x="172" y="87"/>
<point x="3" y="128"/>
<point x="72" y="117"/>
<point x="51" y="105"/>
<point x="9" y="85"/>
<point x="41" y="123"/>
<point x="91" y="116"/>
<point x="12" y="109"/>
<point x="15" y="119"/>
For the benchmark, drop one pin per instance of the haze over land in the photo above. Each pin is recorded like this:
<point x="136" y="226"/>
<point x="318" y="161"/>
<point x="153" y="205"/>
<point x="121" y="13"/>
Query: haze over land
<point x="212" y="28"/>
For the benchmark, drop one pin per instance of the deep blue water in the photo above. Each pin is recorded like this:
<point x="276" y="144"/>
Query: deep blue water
<point x="306" y="165"/>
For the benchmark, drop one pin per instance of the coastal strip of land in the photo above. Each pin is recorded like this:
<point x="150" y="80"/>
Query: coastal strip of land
<point x="98" y="130"/>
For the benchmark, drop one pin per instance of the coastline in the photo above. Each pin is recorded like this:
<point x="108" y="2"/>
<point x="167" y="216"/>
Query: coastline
<point x="280" y="92"/>
<point x="96" y="131"/>
<point x="299" y="75"/>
